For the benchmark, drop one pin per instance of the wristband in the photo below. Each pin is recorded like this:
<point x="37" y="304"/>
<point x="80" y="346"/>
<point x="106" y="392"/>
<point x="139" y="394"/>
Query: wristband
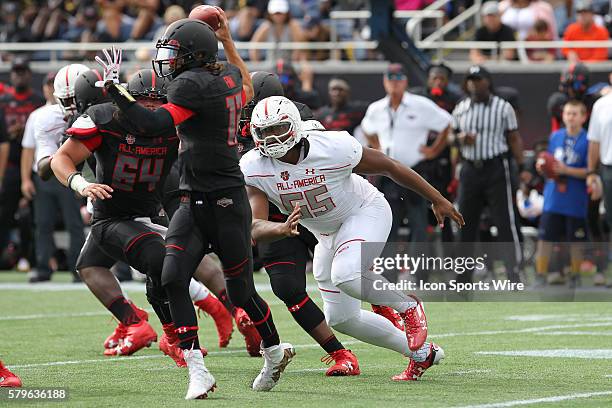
<point x="77" y="182"/>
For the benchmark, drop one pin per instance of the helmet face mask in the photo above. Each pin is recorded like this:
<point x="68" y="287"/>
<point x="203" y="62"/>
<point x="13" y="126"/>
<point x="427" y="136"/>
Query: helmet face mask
<point x="166" y="60"/>
<point x="275" y="126"/>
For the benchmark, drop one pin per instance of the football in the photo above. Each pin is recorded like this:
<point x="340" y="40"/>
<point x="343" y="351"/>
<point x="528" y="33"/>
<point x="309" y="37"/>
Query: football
<point x="547" y="163"/>
<point x="207" y="14"/>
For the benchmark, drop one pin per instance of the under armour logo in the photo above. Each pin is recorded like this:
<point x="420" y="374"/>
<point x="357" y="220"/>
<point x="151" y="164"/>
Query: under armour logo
<point x="181" y="330"/>
<point x="310" y="171"/>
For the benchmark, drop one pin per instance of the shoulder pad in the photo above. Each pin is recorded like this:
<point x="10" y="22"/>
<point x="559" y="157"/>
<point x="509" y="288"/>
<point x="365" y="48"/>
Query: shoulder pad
<point x="101" y="114"/>
<point x="305" y="111"/>
<point x="83" y="128"/>
<point x="312" y="125"/>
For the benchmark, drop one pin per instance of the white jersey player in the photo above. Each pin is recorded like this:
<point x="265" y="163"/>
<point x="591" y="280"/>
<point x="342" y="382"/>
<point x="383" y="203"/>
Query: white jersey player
<point x="309" y="174"/>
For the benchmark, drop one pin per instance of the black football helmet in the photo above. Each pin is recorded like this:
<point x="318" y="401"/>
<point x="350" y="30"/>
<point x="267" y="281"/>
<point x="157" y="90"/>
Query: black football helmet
<point x="145" y="84"/>
<point x="264" y="84"/>
<point x="86" y="93"/>
<point x="186" y="43"/>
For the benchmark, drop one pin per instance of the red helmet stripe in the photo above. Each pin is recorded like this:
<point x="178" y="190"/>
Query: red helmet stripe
<point x="67" y="69"/>
<point x="266" y="108"/>
<point x="153" y="79"/>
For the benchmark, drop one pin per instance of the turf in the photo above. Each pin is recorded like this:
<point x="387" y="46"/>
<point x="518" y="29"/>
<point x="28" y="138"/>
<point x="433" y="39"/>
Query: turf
<point x="35" y="328"/>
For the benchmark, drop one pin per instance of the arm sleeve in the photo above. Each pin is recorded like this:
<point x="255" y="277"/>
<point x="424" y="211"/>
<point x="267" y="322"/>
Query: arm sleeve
<point x="368" y="124"/>
<point x="28" y="140"/>
<point x="438" y="117"/>
<point x="510" y="118"/>
<point x="594" y="132"/>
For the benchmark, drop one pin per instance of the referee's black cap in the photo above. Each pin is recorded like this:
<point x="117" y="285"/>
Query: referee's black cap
<point x="478" y="72"/>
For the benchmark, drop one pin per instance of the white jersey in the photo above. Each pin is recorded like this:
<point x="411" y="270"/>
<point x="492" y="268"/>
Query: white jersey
<point x="322" y="184"/>
<point x="48" y="129"/>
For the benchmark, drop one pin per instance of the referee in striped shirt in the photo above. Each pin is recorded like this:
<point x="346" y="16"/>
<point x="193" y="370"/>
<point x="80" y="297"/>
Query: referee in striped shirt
<point x="487" y="131"/>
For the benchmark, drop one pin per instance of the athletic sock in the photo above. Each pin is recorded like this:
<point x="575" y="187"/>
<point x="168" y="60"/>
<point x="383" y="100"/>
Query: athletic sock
<point x="395" y="299"/>
<point x="331" y="344"/>
<point x="197" y="291"/>
<point x="261" y="316"/>
<point x="121" y="308"/>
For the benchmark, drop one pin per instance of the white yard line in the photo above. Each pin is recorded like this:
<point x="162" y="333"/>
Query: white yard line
<point x="597" y="354"/>
<point x="133" y="358"/>
<point x="558" y="398"/>
<point x="575" y="333"/>
<point x="128" y="286"/>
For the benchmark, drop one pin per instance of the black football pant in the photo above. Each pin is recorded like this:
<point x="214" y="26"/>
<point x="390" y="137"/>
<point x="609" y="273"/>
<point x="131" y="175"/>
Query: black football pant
<point x="137" y="242"/>
<point x="488" y="183"/>
<point x="285" y="262"/>
<point x="219" y="222"/>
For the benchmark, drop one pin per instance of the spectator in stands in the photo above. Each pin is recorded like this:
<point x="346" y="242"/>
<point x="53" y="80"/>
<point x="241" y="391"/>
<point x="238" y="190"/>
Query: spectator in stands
<point x="315" y="31"/>
<point x="341" y="113"/>
<point x="541" y="32"/>
<point x="521" y="15"/>
<point x="280" y="27"/>
<point x="585" y="29"/>
<point x="14" y="27"/>
<point x="298" y="88"/>
<point x="15" y="108"/>
<point x="565" y="196"/>
<point x="128" y="19"/>
<point x="412" y="4"/>
<point x="399" y="125"/>
<point x="172" y="14"/>
<point x="245" y="21"/>
<point x="487" y="132"/>
<point x="492" y="30"/>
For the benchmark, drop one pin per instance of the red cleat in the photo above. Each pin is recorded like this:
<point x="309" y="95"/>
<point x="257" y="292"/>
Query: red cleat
<point x="415" y="370"/>
<point x="223" y="319"/>
<point x="250" y="333"/>
<point x="137" y="336"/>
<point x="415" y="323"/>
<point x="118" y="335"/>
<point x="168" y="344"/>
<point x="346" y="363"/>
<point x="389" y="314"/>
<point x="7" y="378"/>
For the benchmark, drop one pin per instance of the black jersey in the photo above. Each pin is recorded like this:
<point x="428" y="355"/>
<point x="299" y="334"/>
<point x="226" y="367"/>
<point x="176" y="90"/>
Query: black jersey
<point x="209" y="145"/>
<point x="135" y="165"/>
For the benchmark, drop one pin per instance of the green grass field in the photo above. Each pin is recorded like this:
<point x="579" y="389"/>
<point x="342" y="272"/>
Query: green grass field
<point x="53" y="338"/>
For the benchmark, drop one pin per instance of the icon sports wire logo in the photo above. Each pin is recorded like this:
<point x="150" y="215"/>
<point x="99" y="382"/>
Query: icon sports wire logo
<point x="416" y="264"/>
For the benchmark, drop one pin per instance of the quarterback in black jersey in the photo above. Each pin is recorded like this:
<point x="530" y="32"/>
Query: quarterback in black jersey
<point x="205" y="100"/>
<point x="285" y="260"/>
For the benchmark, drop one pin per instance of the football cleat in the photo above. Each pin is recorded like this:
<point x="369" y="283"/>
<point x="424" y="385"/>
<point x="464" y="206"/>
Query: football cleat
<point x="276" y="359"/>
<point x="389" y="314"/>
<point x="223" y="319"/>
<point x="137" y="336"/>
<point x="415" y="369"/>
<point x="118" y="334"/>
<point x="415" y="324"/>
<point x="201" y="381"/>
<point x="346" y="363"/>
<point x="250" y="333"/>
<point x="169" y="345"/>
<point x="7" y="378"/>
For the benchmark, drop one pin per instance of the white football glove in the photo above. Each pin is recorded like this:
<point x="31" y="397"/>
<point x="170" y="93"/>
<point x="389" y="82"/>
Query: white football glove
<point x="111" y="67"/>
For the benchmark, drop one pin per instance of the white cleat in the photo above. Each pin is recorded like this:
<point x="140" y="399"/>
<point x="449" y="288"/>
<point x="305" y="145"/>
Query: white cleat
<point x="201" y="382"/>
<point x="276" y="359"/>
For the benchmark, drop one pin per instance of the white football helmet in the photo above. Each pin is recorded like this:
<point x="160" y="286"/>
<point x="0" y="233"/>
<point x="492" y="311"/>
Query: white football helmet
<point x="63" y="86"/>
<point x="275" y="126"/>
